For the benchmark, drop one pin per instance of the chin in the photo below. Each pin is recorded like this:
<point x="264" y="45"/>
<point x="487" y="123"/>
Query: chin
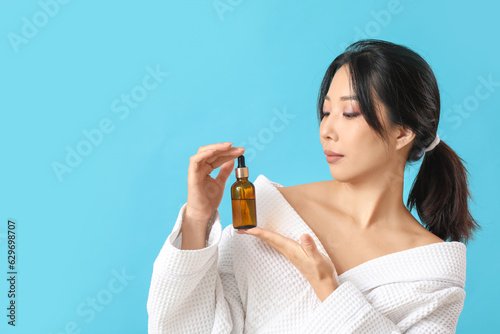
<point x="338" y="176"/>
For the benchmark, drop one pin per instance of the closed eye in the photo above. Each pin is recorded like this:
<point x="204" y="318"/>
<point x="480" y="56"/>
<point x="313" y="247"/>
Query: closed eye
<point x="345" y="115"/>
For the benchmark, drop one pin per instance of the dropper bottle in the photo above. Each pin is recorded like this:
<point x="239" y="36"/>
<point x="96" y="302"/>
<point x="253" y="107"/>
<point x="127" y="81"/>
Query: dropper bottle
<point x="243" y="198"/>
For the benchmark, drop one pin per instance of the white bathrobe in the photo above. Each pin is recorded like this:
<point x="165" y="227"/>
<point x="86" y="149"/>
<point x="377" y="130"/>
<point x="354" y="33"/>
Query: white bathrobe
<point x="240" y="284"/>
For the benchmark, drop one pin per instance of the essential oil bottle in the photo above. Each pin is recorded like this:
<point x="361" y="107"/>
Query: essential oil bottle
<point x="243" y="198"/>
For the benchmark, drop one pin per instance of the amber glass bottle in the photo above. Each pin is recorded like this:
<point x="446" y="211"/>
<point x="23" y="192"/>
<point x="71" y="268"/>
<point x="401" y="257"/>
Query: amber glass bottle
<point x="243" y="198"/>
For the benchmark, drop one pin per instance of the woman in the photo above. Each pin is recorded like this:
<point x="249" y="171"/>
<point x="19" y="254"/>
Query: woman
<point x="337" y="256"/>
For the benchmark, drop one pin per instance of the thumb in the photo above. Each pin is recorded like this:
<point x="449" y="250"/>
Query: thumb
<point x="224" y="172"/>
<point x="307" y="242"/>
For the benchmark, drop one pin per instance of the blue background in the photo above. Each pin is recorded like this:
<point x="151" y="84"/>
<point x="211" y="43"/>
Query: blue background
<point x="221" y="76"/>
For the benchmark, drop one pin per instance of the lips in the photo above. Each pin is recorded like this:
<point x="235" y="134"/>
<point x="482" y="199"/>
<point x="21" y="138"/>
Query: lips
<point x="331" y="153"/>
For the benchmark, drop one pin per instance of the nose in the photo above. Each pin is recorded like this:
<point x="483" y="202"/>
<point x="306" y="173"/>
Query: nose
<point x="327" y="128"/>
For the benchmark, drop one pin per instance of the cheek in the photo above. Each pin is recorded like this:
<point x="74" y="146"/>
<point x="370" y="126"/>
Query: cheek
<point x="365" y="150"/>
<point x="362" y="157"/>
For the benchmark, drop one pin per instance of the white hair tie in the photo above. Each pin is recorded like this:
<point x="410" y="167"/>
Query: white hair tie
<point x="433" y="144"/>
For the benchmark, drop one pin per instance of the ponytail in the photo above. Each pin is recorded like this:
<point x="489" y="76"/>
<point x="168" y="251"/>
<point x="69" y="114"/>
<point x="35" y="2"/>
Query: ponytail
<point x="440" y="194"/>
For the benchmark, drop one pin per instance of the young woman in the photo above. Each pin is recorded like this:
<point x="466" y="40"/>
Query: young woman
<point x="337" y="256"/>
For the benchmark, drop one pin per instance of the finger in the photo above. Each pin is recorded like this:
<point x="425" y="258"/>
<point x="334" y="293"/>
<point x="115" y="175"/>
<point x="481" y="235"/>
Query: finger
<point x="218" y="146"/>
<point x="279" y="242"/>
<point x="308" y="244"/>
<point x="225" y="171"/>
<point x="198" y="168"/>
<point x="204" y="163"/>
<point x="221" y="157"/>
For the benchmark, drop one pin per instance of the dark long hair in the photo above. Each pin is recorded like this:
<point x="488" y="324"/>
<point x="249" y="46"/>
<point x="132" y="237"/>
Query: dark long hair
<point x="405" y="84"/>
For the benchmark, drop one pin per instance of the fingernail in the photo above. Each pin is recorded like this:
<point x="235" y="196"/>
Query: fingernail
<point x="228" y="143"/>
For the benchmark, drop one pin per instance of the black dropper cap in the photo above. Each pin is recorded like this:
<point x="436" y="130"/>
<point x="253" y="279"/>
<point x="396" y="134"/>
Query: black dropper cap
<point x="241" y="170"/>
<point x="241" y="161"/>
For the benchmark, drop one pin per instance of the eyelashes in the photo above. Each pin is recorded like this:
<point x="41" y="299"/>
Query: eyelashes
<point x="352" y="115"/>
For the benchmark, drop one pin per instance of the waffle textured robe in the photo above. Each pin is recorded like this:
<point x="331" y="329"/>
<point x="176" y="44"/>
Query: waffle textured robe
<point x="240" y="284"/>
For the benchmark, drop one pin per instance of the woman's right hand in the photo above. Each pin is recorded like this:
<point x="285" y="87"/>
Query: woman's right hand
<point x="204" y="192"/>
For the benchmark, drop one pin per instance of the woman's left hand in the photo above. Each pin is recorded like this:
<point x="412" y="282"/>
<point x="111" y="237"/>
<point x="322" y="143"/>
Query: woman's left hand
<point x="316" y="267"/>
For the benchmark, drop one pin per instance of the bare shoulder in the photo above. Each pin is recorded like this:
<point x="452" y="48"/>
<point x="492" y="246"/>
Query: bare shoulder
<point x="307" y="190"/>
<point x="426" y="237"/>
<point x="291" y="193"/>
<point x="418" y="235"/>
<point x="306" y="196"/>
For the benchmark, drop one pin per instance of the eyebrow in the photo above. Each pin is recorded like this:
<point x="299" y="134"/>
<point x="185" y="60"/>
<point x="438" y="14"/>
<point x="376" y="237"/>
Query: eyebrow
<point x="344" y="98"/>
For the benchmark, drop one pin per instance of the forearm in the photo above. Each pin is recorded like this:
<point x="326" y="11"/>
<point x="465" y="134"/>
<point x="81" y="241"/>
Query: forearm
<point x="194" y="232"/>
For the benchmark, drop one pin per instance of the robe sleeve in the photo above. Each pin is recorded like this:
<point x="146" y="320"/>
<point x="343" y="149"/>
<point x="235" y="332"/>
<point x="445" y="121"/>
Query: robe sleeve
<point x="195" y="291"/>
<point x="425" y="307"/>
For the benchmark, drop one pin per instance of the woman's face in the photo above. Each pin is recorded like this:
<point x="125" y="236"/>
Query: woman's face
<point x="345" y="131"/>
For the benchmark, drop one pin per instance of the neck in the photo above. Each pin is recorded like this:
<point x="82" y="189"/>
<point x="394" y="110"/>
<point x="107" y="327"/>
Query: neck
<point x="374" y="201"/>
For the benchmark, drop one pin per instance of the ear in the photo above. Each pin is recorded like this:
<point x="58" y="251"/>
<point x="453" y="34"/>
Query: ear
<point x="404" y="137"/>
